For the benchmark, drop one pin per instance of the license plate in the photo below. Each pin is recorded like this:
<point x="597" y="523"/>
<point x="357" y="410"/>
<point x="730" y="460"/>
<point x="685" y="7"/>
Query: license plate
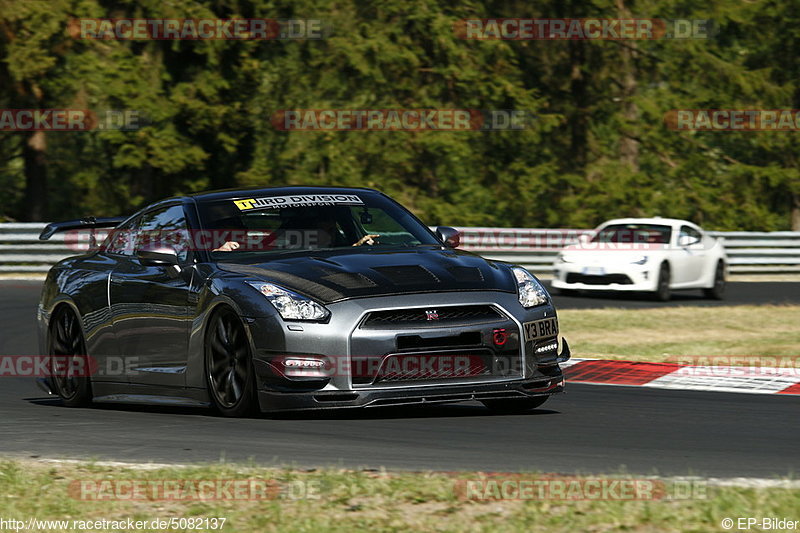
<point x="594" y="271"/>
<point x="539" y="329"/>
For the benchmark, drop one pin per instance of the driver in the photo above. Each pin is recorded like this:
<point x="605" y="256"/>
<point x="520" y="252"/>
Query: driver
<point x="323" y="226"/>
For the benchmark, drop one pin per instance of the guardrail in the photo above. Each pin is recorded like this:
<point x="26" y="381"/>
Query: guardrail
<point x="749" y="252"/>
<point x="775" y="252"/>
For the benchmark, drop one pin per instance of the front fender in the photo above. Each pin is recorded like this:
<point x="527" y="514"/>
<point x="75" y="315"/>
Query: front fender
<point x="247" y="303"/>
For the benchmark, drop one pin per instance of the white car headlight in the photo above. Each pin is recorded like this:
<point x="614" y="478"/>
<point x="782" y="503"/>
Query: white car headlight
<point x="642" y="260"/>
<point x="531" y="293"/>
<point x="289" y="304"/>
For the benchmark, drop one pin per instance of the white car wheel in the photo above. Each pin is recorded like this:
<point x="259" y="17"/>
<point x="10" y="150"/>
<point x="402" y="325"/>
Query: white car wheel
<point x="717" y="291"/>
<point x="663" y="292"/>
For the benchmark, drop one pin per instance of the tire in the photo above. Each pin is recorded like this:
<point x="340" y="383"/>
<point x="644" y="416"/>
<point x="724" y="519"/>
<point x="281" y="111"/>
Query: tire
<point x="515" y="406"/>
<point x="66" y="345"/>
<point x="663" y="292"/>
<point x="230" y="377"/>
<point x="717" y="291"/>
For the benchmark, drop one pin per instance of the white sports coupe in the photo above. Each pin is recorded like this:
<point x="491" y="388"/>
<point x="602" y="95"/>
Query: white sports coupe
<point x="655" y="255"/>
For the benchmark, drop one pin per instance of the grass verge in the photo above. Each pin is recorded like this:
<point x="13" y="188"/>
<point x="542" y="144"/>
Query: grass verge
<point x="661" y="333"/>
<point x="374" y="501"/>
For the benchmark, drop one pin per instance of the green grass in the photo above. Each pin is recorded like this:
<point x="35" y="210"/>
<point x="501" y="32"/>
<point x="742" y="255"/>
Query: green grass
<point x="661" y="333"/>
<point x="373" y="501"/>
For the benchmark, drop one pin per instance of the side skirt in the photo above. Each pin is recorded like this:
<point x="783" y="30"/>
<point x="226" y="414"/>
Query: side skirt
<point x="149" y="395"/>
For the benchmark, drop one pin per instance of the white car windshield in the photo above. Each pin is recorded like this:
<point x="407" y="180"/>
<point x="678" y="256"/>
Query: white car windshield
<point x="634" y="233"/>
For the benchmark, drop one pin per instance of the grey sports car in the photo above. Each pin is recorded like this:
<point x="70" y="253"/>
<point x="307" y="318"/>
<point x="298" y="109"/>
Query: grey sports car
<point x="293" y="298"/>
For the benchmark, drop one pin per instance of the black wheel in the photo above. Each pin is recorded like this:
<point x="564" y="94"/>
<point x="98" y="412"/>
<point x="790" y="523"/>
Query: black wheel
<point x="229" y="367"/>
<point x="69" y="360"/>
<point x="663" y="292"/>
<point x="515" y="406"/>
<point x="717" y="291"/>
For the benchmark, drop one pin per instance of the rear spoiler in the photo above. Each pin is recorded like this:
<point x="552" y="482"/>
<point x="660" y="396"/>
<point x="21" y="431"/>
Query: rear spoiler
<point x="83" y="223"/>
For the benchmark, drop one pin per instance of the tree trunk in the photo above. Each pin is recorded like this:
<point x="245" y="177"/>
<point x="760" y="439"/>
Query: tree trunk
<point x="579" y="123"/>
<point x="629" y="147"/>
<point x="34" y="156"/>
<point x="795" y="212"/>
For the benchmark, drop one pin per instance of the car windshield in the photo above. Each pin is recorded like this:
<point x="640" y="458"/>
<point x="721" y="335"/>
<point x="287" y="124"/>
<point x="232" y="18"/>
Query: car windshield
<point x="634" y="233"/>
<point x="268" y="224"/>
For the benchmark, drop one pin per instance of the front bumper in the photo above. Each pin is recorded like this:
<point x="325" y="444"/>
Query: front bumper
<point x="532" y="370"/>
<point x="625" y="277"/>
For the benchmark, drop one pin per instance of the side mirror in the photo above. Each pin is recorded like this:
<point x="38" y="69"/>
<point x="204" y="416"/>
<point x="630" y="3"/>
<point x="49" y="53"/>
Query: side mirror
<point x="450" y="236"/>
<point x="157" y="255"/>
<point x="687" y="240"/>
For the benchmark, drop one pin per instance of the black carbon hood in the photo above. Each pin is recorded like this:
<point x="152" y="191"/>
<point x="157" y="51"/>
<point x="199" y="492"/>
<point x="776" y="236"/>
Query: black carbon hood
<point x="334" y="275"/>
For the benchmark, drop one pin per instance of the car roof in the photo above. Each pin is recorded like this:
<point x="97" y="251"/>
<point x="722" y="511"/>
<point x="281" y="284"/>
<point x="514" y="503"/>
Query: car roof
<point x="649" y="220"/>
<point x="276" y="191"/>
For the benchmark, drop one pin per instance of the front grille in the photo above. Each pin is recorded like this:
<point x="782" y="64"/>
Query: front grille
<point x="620" y="279"/>
<point x="424" y="317"/>
<point x="468" y="362"/>
<point x="459" y="364"/>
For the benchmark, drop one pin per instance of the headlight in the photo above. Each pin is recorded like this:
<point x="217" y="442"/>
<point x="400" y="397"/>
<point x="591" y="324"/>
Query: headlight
<point x="642" y="260"/>
<point x="290" y="305"/>
<point x="531" y="293"/>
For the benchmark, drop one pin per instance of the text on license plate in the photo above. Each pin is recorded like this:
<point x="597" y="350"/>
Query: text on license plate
<point x="539" y="329"/>
<point x="594" y="271"/>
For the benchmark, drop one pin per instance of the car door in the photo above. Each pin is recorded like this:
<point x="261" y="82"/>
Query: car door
<point x="691" y="255"/>
<point x="117" y="248"/>
<point x="150" y="303"/>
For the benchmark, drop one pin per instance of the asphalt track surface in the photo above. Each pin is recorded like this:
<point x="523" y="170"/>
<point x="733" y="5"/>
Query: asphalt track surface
<point x="740" y="293"/>
<point x="591" y="429"/>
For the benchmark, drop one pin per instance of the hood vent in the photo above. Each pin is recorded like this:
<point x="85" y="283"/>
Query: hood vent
<point x="303" y="285"/>
<point x="407" y="275"/>
<point x="349" y="280"/>
<point x="468" y="274"/>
